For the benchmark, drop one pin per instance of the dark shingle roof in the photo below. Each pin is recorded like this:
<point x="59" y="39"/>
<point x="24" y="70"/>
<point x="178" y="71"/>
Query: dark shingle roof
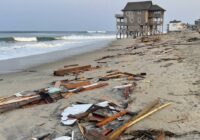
<point x="156" y="8"/>
<point x="134" y="6"/>
<point x="175" y="21"/>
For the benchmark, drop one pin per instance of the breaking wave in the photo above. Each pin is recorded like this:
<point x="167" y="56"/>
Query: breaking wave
<point x="42" y="39"/>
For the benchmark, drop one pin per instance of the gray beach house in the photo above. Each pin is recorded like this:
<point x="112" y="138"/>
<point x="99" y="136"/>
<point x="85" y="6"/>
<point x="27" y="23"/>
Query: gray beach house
<point x="140" y="18"/>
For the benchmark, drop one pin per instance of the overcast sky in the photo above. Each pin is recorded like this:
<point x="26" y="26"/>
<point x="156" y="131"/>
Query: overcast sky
<point x="64" y="15"/>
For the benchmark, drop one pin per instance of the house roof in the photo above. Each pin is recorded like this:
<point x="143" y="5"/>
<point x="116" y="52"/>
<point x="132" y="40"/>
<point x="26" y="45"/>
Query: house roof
<point x="144" y="5"/>
<point x="175" y="21"/>
<point x="156" y="8"/>
<point x="134" y="6"/>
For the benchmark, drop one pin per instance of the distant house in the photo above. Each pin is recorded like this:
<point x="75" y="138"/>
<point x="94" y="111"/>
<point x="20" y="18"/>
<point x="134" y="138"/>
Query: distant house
<point x="176" y="26"/>
<point x="140" y="18"/>
<point x="197" y="24"/>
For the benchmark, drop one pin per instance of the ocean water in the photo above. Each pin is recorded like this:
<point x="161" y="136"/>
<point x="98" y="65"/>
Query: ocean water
<point x="22" y="44"/>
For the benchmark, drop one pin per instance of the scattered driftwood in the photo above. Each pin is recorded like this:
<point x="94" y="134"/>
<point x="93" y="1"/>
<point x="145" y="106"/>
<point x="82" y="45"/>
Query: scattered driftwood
<point x="167" y="65"/>
<point x="94" y="135"/>
<point x="75" y="84"/>
<point x="179" y="59"/>
<point x="70" y="92"/>
<point x="105" y="57"/>
<point x="114" y="50"/>
<point x="102" y="62"/>
<point x="150" y="39"/>
<point x="129" y="53"/>
<point x="184" y="118"/>
<point x="193" y="39"/>
<point x="72" y="65"/>
<point x="112" y="118"/>
<point x="154" y="134"/>
<point x="119" y="55"/>
<point x="119" y="74"/>
<point x="89" y="87"/>
<point x="44" y="136"/>
<point x="73" y="70"/>
<point x="142" y="115"/>
<point x="127" y="89"/>
<point x="110" y="133"/>
<point x="17" y="102"/>
<point x="46" y="95"/>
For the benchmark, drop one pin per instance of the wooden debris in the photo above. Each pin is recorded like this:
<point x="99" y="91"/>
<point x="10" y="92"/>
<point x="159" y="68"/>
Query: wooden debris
<point x="123" y="86"/>
<point x="76" y="85"/>
<point x="182" y="119"/>
<point x="127" y="89"/>
<point x="83" y="88"/>
<point x="17" y="102"/>
<point x="119" y="74"/>
<point x="105" y="57"/>
<point x="102" y="62"/>
<point x="72" y="70"/>
<point x="88" y="87"/>
<point x="94" y="118"/>
<point x="105" y="78"/>
<point x="73" y="65"/>
<point x="193" y="39"/>
<point x="146" y="39"/>
<point x="94" y="135"/>
<point x="67" y="95"/>
<point x="161" y="136"/>
<point x="81" y="128"/>
<point x="127" y="92"/>
<point x="107" y="131"/>
<point x="145" y="113"/>
<point x="179" y="59"/>
<point x="112" y="118"/>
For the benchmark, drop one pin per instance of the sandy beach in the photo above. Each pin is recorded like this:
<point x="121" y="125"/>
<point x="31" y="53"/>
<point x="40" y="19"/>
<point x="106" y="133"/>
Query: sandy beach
<point x="173" y="75"/>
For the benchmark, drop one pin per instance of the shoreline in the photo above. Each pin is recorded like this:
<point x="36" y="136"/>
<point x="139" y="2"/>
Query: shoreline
<point x="45" y="71"/>
<point x="33" y="61"/>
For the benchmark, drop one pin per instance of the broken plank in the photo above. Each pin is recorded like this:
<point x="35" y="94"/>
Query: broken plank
<point x="161" y="136"/>
<point x="76" y="85"/>
<point x="64" y="71"/>
<point x="89" y="87"/>
<point x="112" y="118"/>
<point x="105" y="78"/>
<point x="144" y="114"/>
<point x="73" y="65"/>
<point x="17" y="103"/>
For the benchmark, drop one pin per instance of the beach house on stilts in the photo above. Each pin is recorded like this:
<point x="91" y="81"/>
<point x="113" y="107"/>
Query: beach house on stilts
<point x="139" y="19"/>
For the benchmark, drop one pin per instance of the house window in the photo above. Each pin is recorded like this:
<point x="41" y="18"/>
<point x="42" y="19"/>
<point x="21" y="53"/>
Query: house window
<point x="128" y="13"/>
<point x="157" y="12"/>
<point x="139" y="20"/>
<point x="139" y="12"/>
<point x="131" y="19"/>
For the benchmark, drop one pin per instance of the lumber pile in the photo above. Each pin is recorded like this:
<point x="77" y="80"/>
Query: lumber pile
<point x="108" y="127"/>
<point x="118" y="74"/>
<point x="60" y="90"/>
